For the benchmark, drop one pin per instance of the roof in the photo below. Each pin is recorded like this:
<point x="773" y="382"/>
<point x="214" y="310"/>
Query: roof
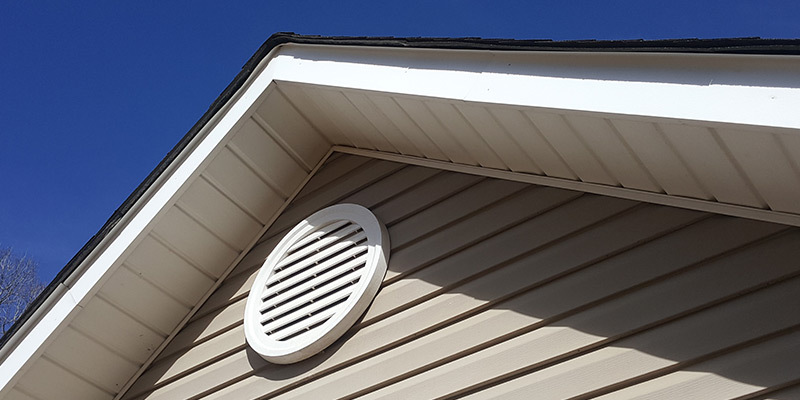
<point x="769" y="48"/>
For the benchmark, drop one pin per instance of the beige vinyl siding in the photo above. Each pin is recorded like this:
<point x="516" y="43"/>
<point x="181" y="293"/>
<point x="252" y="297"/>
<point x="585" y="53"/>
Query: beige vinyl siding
<point x="502" y="289"/>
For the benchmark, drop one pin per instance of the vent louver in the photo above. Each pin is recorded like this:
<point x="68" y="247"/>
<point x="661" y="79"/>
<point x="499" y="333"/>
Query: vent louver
<point x="316" y="283"/>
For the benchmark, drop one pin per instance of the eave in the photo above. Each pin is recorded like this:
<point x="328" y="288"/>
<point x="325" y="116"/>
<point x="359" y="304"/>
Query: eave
<point x="685" y="126"/>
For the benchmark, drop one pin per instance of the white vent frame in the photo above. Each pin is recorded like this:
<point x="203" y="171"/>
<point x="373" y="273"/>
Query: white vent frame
<point x="354" y="229"/>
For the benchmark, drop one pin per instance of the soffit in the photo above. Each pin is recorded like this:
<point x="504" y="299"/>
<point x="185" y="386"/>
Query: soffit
<point x="711" y="132"/>
<point x="734" y="169"/>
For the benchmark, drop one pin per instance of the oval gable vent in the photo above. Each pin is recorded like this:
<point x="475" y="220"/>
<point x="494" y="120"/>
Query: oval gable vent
<point x="316" y="283"/>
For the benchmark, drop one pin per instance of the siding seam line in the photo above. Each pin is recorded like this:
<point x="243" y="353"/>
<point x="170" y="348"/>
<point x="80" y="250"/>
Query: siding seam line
<point x="605" y="342"/>
<point x="678" y="366"/>
<point x="468" y="314"/>
<point x="769" y="390"/>
<point x="361" y="162"/>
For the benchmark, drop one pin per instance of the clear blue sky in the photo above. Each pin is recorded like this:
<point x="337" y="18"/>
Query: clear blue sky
<point x="94" y="94"/>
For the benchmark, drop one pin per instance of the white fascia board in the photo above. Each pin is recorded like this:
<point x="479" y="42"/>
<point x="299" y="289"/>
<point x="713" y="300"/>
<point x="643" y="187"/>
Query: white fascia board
<point x="682" y="88"/>
<point x="57" y="311"/>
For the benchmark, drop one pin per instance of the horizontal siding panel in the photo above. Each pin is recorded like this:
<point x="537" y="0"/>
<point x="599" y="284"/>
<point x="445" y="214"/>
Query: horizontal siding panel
<point x="167" y="368"/>
<point x="204" y="379"/>
<point x="493" y="285"/>
<point x="332" y="193"/>
<point x="207" y="327"/>
<point x="539" y="308"/>
<point x="452" y="209"/>
<point x="781" y="392"/>
<point x="395" y="184"/>
<point x="585" y="329"/>
<point x="15" y="394"/>
<point x="772" y="363"/>
<point x="420" y="197"/>
<point x="713" y="330"/>
<point x="460" y="236"/>
<point x="481" y="253"/>
<point x="332" y="170"/>
<point x="625" y="230"/>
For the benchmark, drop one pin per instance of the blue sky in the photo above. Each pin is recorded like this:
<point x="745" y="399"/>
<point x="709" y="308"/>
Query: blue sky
<point x="94" y="94"/>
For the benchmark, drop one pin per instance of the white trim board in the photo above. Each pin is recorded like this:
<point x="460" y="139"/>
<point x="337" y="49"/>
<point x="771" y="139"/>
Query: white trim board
<point x="674" y="86"/>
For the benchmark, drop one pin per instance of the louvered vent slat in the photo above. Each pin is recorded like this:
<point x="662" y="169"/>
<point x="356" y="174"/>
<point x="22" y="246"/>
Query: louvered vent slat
<point x="304" y="326"/>
<point x="318" y="256"/>
<point x="322" y="243"/>
<point x="316" y="283"/>
<point x="306" y="304"/>
<point x="310" y="308"/>
<point x="315" y="273"/>
<point x="316" y="235"/>
<point x="331" y="256"/>
<point x="319" y="285"/>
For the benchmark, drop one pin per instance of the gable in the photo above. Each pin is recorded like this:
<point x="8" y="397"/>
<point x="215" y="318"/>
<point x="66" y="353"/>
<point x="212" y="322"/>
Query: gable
<point x="497" y="286"/>
<point x="127" y="294"/>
